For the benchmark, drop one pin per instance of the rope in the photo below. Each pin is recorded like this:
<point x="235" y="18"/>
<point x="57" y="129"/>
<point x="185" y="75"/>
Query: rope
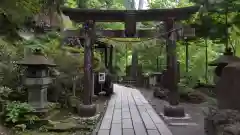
<point x="159" y="36"/>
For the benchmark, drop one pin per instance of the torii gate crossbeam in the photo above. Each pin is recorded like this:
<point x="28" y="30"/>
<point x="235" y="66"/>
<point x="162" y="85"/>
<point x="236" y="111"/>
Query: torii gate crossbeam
<point x="81" y="15"/>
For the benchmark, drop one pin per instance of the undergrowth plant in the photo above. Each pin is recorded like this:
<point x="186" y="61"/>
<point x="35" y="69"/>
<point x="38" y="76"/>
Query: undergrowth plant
<point x="17" y="112"/>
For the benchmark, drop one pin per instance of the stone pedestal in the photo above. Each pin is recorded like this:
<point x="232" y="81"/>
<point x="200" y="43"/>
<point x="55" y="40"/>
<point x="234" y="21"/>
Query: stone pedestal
<point x="37" y="97"/>
<point x="174" y="111"/>
<point x="86" y="110"/>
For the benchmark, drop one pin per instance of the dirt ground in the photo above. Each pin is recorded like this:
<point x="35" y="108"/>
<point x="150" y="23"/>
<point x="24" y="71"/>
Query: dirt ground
<point x="192" y="126"/>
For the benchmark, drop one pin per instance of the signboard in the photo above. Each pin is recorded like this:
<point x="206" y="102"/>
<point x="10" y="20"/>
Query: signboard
<point x="101" y="77"/>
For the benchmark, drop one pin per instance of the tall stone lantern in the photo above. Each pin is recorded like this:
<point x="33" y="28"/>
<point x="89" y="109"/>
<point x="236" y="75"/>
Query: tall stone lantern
<point x="37" y="79"/>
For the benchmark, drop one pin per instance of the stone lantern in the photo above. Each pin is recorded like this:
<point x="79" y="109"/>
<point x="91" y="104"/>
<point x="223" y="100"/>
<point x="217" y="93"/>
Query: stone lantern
<point x="37" y="79"/>
<point x="222" y="62"/>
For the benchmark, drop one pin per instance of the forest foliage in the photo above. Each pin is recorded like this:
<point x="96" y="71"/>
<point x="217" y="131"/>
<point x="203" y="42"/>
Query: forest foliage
<point x="210" y="24"/>
<point x="217" y="26"/>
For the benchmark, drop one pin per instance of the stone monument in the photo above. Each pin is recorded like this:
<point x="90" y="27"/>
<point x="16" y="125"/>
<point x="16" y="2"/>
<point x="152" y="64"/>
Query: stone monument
<point x="37" y="79"/>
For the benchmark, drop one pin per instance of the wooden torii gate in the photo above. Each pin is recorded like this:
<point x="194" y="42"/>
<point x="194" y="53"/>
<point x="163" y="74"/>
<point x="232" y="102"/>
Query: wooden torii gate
<point x="130" y="18"/>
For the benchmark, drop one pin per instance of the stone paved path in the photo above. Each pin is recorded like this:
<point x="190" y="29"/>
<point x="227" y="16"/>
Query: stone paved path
<point x="129" y="113"/>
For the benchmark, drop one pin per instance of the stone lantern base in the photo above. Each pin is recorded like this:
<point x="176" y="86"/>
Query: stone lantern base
<point x="37" y="98"/>
<point x="174" y="111"/>
<point x="86" y="110"/>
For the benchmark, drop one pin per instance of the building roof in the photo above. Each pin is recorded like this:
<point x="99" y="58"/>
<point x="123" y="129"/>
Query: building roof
<point x="36" y="60"/>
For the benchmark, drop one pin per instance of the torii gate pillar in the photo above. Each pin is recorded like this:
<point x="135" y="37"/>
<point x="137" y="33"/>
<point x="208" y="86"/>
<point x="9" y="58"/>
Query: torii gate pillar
<point x="88" y="109"/>
<point x="173" y="109"/>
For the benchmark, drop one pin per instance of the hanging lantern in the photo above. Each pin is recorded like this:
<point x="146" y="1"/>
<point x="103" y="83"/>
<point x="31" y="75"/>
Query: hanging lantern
<point x="184" y="31"/>
<point x="188" y="32"/>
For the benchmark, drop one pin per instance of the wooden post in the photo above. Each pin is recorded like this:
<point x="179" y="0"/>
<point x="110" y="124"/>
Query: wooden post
<point x="92" y="71"/>
<point x="88" y="27"/>
<point x="173" y="109"/>
<point x="206" y="60"/>
<point x="130" y="24"/>
<point x="106" y="57"/>
<point x="130" y="31"/>
<point x="186" y="56"/>
<point x="110" y="62"/>
<point x="172" y="67"/>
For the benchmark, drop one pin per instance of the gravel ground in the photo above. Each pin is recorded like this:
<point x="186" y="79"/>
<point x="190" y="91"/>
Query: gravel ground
<point x="192" y="126"/>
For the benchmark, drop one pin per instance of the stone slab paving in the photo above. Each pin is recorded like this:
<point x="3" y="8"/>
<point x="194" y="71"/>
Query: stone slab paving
<point x="192" y="124"/>
<point x="129" y="113"/>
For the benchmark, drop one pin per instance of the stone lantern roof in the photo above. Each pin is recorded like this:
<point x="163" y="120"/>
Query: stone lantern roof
<point x="227" y="58"/>
<point x="224" y="59"/>
<point x="37" y="59"/>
